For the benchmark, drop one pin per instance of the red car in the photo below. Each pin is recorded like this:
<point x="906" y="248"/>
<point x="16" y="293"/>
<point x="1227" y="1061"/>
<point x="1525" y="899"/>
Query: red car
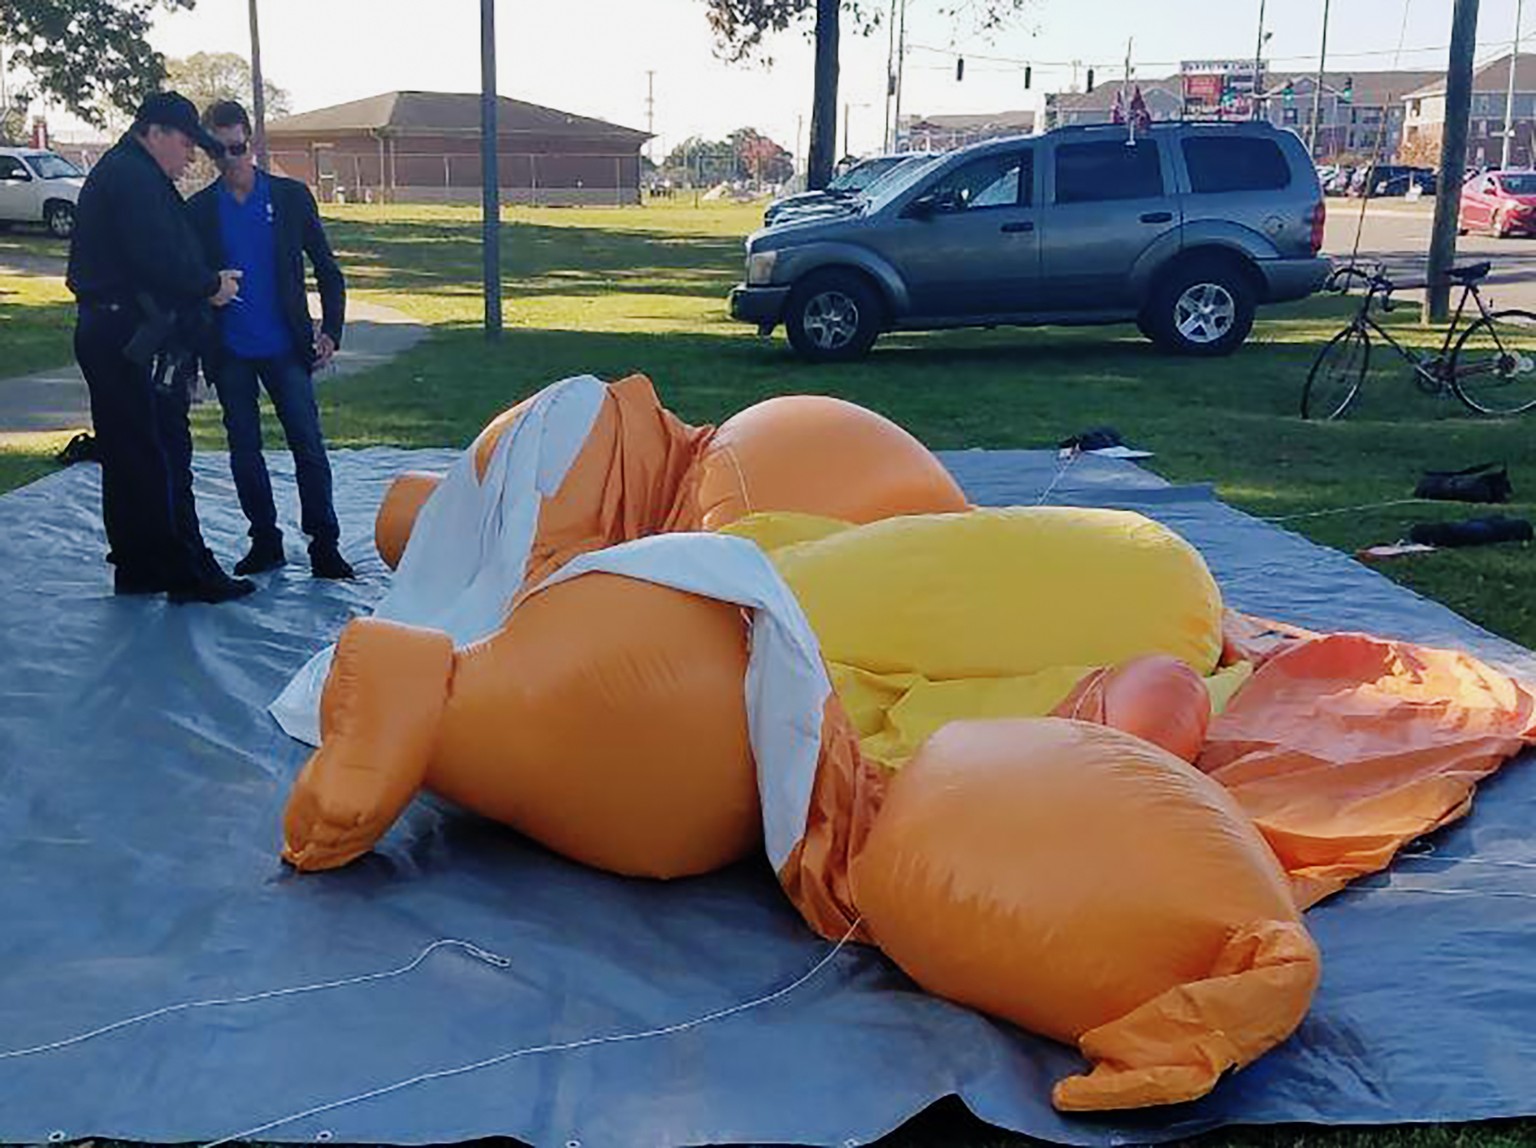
<point x="1501" y="203"/>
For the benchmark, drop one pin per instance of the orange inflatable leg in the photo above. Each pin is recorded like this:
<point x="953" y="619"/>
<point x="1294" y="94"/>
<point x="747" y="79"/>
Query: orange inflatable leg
<point x="1175" y="1047"/>
<point x="378" y="723"/>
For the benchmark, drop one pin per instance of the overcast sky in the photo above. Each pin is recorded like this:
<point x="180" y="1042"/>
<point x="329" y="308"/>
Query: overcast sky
<point x="592" y="56"/>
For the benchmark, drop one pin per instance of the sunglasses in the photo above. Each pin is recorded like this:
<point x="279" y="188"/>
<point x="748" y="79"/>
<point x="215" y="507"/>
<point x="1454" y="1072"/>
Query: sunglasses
<point x="236" y="149"/>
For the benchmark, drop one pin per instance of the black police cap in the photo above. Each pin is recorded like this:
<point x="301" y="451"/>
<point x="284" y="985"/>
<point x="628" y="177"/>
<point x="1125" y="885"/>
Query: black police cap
<point x="174" y="110"/>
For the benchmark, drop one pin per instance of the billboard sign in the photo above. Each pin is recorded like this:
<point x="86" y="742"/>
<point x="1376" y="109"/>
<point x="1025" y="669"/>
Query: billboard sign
<point x="1219" y="89"/>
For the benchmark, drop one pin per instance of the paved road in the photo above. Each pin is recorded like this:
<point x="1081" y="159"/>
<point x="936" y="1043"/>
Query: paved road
<point x="1398" y="235"/>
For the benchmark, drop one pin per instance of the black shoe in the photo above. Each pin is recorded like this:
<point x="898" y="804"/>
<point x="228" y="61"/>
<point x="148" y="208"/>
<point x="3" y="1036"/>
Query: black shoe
<point x="266" y="553"/>
<point x="211" y="586"/>
<point x="139" y="582"/>
<point x="325" y="561"/>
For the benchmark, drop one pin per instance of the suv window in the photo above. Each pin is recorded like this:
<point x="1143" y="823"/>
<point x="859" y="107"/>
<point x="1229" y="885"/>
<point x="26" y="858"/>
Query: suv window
<point x="49" y="166"/>
<point x="1235" y="163"/>
<point x="1107" y="170"/>
<point x="1002" y="180"/>
<point x="12" y="168"/>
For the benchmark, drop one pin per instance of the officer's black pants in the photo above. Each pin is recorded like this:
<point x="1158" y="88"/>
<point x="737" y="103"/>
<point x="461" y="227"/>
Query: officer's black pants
<point x="145" y="446"/>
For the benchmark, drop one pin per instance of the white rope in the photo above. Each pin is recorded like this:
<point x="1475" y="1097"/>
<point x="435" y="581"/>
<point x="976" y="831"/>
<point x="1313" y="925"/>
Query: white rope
<point x="536" y="1050"/>
<point x="1061" y="473"/>
<point x="473" y="950"/>
<point x="1346" y="509"/>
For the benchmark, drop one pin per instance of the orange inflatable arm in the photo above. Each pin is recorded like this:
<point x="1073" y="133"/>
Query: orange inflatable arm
<point x="378" y="721"/>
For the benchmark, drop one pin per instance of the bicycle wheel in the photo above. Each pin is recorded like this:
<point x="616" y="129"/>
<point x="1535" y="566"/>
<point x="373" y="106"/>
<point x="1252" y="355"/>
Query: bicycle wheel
<point x="1493" y="368"/>
<point x="1336" y="374"/>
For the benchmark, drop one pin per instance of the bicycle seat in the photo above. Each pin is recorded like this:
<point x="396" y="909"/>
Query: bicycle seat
<point x="1469" y="273"/>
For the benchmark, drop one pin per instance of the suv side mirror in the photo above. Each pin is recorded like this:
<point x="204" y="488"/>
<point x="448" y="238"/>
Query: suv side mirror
<point x="933" y="203"/>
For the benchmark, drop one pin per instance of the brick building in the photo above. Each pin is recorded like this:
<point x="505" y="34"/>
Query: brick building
<point x="424" y="147"/>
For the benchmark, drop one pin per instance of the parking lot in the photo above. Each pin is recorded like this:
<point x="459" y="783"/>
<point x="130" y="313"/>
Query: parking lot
<point x="1397" y="233"/>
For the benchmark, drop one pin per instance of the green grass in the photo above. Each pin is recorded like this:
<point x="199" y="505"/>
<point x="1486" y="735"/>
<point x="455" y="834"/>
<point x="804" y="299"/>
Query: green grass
<point x="642" y="289"/>
<point x="610" y="292"/>
<point x="37" y="317"/>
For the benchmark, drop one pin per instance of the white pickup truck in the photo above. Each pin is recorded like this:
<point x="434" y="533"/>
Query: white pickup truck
<point x="38" y="187"/>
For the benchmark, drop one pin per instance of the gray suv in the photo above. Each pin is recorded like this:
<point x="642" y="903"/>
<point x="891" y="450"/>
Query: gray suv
<point x="1184" y="231"/>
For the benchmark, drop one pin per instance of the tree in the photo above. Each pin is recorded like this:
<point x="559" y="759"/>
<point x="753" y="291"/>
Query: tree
<point x="89" y="55"/>
<point x="759" y="159"/>
<point x="206" y="77"/>
<point x="740" y="27"/>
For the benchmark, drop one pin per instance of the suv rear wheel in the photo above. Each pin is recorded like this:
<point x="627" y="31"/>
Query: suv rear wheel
<point x="833" y="316"/>
<point x="1203" y="308"/>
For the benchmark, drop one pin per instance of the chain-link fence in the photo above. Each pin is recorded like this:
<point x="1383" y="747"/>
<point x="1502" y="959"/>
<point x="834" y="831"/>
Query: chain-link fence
<point x="395" y="176"/>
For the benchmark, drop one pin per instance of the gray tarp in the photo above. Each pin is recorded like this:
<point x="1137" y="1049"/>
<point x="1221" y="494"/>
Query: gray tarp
<point x="141" y="786"/>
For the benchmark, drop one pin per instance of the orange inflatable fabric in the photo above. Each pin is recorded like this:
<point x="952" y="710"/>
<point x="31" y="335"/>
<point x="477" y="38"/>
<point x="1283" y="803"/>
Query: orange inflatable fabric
<point x="1118" y="862"/>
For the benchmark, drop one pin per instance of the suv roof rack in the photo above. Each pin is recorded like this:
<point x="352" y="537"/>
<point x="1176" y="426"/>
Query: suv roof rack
<point x="1156" y="124"/>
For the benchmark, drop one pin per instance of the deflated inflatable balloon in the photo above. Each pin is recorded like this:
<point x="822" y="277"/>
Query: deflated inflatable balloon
<point x="659" y="649"/>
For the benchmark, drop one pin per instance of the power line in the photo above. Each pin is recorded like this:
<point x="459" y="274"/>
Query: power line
<point x="1021" y="61"/>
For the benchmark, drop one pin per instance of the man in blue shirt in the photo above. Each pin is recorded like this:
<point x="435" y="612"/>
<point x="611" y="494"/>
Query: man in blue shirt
<point x="264" y="226"/>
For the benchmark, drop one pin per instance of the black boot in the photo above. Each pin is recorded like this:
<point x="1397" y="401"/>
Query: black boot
<point x="208" y="583"/>
<point x="325" y="561"/>
<point x="266" y="553"/>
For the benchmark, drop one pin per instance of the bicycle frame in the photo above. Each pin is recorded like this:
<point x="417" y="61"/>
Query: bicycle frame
<point x="1432" y="368"/>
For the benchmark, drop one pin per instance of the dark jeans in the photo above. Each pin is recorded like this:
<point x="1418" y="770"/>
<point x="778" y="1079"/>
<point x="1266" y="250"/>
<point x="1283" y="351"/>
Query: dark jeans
<point x="146" y="455"/>
<point x="288" y="383"/>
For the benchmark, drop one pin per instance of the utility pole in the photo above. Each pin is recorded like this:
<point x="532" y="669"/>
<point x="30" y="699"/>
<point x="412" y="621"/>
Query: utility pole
<point x="890" y="79"/>
<point x="1509" y="95"/>
<point x="650" y="111"/>
<point x="1258" y="61"/>
<point x="490" y="171"/>
<point x="1453" y="159"/>
<point x="1317" y="89"/>
<point x="901" y="59"/>
<point x="258" y="93"/>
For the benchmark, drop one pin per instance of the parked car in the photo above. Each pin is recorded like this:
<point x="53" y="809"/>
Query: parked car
<point x="1185" y="231"/>
<point x="1502" y="203"/>
<point x="1391" y="179"/>
<point x="847" y="185"/>
<point x="39" y="187"/>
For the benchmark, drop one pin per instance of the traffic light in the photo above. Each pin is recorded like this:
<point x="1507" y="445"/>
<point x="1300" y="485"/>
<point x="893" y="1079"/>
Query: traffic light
<point x="1028" y="73"/>
<point x="959" y="68"/>
<point x="1289" y="91"/>
<point x="890" y="83"/>
<point x="1348" y="95"/>
<point x="1090" y="79"/>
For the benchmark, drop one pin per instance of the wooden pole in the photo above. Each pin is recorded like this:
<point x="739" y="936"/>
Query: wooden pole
<point x="258" y="93"/>
<point x="1453" y="160"/>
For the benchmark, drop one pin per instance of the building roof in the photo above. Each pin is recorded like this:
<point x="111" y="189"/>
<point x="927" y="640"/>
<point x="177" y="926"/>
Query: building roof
<point x="443" y="113"/>
<point x="1017" y="121"/>
<point x="1491" y="77"/>
<point x="1102" y="98"/>
<point x="1371" y="89"/>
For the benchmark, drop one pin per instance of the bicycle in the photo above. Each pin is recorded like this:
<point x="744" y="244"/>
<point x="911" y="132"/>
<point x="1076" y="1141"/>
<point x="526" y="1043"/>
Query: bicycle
<point x="1485" y="370"/>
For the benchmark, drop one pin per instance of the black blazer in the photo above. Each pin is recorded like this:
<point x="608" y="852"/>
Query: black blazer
<point x="299" y="233"/>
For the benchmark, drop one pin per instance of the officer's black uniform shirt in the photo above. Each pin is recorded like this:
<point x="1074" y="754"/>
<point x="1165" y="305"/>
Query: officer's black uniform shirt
<point x="132" y="235"/>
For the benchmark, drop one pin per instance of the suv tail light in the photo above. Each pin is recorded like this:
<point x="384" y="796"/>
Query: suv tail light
<point x="1317" y="217"/>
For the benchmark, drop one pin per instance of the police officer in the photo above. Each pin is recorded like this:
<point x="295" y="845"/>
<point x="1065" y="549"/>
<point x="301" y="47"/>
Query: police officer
<point x="139" y="276"/>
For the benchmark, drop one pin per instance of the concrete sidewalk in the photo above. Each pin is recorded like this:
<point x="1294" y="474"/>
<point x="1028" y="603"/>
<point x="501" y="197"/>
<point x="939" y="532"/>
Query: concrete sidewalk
<point x="57" y="400"/>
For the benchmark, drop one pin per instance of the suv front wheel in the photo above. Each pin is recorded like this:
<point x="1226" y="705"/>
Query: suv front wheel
<point x="1203" y="308"/>
<point x="833" y="316"/>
